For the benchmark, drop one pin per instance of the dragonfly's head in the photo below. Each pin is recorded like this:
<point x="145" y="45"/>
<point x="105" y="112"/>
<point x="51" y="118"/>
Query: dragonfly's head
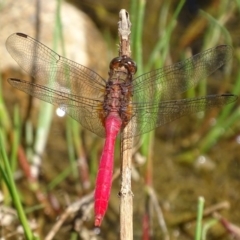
<point x="125" y="62"/>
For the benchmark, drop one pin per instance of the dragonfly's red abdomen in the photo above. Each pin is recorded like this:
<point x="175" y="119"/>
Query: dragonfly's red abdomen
<point x="104" y="177"/>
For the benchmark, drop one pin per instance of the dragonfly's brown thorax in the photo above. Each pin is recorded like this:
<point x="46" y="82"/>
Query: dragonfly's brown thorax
<point x="119" y="89"/>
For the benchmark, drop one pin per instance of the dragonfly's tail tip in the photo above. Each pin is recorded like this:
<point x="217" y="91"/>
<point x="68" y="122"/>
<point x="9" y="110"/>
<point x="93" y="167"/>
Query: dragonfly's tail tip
<point x="98" y="220"/>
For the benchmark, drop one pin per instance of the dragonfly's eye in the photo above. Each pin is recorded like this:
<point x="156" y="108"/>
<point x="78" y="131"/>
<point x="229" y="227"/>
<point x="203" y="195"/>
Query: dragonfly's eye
<point x="115" y="63"/>
<point x="131" y="66"/>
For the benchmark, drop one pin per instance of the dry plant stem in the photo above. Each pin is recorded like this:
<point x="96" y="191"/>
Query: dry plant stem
<point x="126" y="196"/>
<point x="73" y="208"/>
<point x="124" y="31"/>
<point x="158" y="212"/>
<point x="33" y="182"/>
<point x="126" y="225"/>
<point x="230" y="227"/>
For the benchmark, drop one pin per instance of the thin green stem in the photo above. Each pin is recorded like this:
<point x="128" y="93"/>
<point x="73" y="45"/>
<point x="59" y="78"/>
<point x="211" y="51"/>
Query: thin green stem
<point x="13" y="191"/>
<point x="218" y="131"/>
<point x="164" y="38"/>
<point x="16" y="138"/>
<point x="139" y="33"/>
<point x="60" y="178"/>
<point x="133" y="14"/>
<point x="207" y="226"/>
<point x="198" y="232"/>
<point x="70" y="145"/>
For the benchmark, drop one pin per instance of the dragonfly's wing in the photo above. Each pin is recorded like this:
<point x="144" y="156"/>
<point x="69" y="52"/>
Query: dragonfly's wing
<point x="148" y="116"/>
<point x="86" y="111"/>
<point x="50" y="69"/>
<point x="164" y="83"/>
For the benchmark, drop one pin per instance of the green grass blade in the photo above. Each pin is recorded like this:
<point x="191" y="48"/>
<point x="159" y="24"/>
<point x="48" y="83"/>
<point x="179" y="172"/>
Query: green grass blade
<point x="198" y="231"/>
<point x="8" y="176"/>
<point x="207" y="226"/>
<point x="16" y="138"/>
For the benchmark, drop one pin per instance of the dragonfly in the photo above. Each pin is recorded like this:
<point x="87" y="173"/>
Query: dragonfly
<point x="106" y="106"/>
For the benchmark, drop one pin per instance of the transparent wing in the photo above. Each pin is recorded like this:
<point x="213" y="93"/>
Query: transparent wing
<point x="50" y="69"/>
<point x="59" y="81"/>
<point x="147" y="116"/>
<point x="165" y="83"/>
<point x="84" y="110"/>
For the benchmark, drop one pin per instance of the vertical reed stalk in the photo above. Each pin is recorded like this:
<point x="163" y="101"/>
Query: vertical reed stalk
<point x="126" y="201"/>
